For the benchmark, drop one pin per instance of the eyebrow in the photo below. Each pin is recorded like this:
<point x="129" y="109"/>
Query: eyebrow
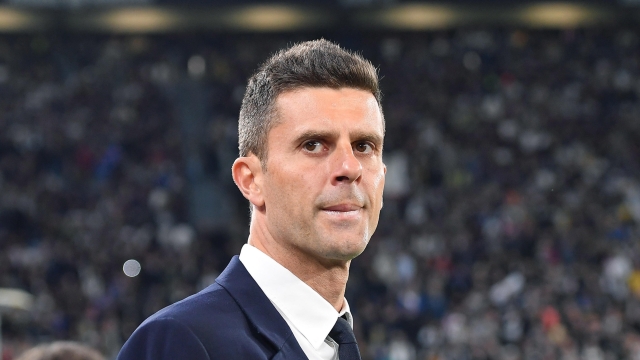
<point x="326" y="135"/>
<point x="374" y="138"/>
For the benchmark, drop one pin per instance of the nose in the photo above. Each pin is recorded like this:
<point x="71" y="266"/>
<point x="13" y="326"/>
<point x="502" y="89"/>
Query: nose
<point x="347" y="167"/>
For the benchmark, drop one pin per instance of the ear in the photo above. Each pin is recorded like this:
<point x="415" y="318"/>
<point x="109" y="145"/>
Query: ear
<point x="247" y="174"/>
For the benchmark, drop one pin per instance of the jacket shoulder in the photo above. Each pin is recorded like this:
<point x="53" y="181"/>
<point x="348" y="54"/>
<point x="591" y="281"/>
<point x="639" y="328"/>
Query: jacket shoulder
<point x="206" y="325"/>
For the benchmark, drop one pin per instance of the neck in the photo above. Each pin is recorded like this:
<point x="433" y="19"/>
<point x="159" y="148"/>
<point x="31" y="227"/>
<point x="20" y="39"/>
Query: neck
<point x="327" y="277"/>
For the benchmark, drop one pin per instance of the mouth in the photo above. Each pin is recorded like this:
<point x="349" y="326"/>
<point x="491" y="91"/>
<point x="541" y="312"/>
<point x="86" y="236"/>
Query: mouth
<point x="343" y="212"/>
<point x="342" y="208"/>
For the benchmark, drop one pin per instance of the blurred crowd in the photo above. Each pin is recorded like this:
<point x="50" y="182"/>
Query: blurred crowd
<point x="512" y="200"/>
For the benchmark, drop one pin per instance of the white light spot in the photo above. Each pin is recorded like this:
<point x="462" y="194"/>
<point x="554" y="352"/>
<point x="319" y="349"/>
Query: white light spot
<point x="131" y="268"/>
<point x="196" y="66"/>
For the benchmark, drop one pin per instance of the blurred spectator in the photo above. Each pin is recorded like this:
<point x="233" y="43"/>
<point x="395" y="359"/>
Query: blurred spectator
<point x="61" y="350"/>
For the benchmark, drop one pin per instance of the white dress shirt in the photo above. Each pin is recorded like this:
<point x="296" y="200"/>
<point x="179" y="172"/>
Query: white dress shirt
<point x="308" y="314"/>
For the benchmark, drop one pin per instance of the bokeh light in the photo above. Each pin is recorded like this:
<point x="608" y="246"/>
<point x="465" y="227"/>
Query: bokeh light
<point x="131" y="268"/>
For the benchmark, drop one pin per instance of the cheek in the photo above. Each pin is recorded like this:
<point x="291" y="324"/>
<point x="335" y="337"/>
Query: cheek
<point x="291" y="189"/>
<point x="378" y="183"/>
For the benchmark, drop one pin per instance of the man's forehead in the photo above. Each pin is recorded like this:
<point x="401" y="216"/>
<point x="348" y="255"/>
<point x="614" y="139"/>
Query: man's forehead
<point x="323" y="111"/>
<point x="319" y="99"/>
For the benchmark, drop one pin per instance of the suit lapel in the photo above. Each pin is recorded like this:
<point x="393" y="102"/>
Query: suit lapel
<point x="259" y="310"/>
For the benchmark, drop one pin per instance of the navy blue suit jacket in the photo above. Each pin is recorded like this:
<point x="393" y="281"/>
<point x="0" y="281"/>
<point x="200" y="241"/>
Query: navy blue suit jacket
<point x="231" y="319"/>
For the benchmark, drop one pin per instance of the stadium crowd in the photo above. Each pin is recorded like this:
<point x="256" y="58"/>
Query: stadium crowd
<point x="512" y="202"/>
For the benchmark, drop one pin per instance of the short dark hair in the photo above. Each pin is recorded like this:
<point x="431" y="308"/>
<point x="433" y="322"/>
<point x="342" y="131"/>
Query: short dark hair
<point x="318" y="63"/>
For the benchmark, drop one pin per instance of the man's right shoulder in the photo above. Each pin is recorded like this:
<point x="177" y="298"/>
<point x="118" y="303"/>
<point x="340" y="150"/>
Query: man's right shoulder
<point x="203" y="325"/>
<point x="214" y="303"/>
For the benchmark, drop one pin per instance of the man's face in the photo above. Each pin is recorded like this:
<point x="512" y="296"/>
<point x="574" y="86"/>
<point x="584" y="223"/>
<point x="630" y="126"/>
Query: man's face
<point x="324" y="174"/>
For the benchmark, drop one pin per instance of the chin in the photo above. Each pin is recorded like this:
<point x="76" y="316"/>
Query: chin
<point x="342" y="256"/>
<point x="347" y="249"/>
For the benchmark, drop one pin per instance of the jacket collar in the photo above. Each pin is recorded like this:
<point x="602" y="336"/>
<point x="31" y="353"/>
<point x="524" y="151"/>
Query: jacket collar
<point x="259" y="310"/>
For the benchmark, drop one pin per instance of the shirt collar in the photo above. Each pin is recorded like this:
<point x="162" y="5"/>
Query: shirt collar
<point x="302" y="306"/>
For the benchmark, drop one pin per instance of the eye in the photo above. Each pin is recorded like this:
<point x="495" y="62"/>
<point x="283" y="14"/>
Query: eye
<point x="312" y="146"/>
<point x="363" y="147"/>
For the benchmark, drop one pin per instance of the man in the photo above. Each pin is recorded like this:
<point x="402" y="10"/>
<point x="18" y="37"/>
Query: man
<point x="310" y="136"/>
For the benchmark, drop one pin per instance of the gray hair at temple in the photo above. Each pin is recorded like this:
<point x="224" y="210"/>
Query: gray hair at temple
<point x="318" y="63"/>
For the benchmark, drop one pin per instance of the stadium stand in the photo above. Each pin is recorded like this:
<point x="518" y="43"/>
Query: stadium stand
<point x="510" y="222"/>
